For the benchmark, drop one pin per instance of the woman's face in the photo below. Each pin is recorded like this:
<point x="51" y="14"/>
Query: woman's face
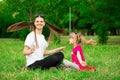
<point x="39" y="23"/>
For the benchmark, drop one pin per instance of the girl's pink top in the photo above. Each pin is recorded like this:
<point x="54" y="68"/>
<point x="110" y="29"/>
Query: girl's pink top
<point x="74" y="56"/>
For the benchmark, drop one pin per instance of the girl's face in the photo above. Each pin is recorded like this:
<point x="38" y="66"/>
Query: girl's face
<point x="72" y="41"/>
<point x="39" y="23"/>
<point x="72" y="38"/>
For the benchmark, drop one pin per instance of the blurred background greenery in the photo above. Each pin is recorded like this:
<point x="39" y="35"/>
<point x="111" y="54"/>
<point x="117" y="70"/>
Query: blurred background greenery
<point x="91" y="17"/>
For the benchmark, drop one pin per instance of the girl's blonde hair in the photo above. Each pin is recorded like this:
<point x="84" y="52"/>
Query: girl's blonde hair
<point x="81" y="39"/>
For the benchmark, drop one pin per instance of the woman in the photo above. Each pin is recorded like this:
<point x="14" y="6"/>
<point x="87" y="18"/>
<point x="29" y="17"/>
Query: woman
<point x="35" y="48"/>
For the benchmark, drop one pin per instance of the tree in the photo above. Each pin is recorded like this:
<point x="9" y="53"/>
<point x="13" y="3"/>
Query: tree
<point x="6" y="19"/>
<point x="23" y="10"/>
<point x="106" y="17"/>
<point x="101" y="15"/>
<point x="93" y="15"/>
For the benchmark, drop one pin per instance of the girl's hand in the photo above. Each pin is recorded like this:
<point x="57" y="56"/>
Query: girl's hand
<point x="92" y="42"/>
<point x="83" y="63"/>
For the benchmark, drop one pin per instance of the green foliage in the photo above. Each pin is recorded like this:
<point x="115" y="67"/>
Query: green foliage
<point x="46" y="32"/>
<point x="101" y="31"/>
<point x="4" y="23"/>
<point x="98" y="13"/>
<point x="56" y="39"/>
<point x="21" y="34"/>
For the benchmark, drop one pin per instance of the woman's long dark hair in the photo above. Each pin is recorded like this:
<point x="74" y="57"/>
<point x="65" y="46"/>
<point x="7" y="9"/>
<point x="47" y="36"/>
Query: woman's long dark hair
<point x="24" y="24"/>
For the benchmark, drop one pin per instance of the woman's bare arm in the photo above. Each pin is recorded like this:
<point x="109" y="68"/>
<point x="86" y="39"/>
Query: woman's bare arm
<point x="54" y="50"/>
<point x="27" y="50"/>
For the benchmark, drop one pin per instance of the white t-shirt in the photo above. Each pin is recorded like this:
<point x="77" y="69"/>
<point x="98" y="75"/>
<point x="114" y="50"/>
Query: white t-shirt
<point x="38" y="54"/>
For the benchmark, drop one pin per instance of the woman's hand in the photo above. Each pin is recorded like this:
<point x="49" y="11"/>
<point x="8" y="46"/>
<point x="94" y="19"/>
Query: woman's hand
<point x="60" y="49"/>
<point x="33" y="49"/>
<point x="54" y="50"/>
<point x="27" y="50"/>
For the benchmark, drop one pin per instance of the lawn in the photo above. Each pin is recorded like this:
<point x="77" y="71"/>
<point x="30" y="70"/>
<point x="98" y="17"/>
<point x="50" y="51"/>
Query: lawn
<point x="106" y="58"/>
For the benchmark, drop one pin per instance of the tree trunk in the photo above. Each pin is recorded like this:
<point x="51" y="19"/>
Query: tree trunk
<point x="90" y="32"/>
<point x="76" y="21"/>
<point x="113" y="31"/>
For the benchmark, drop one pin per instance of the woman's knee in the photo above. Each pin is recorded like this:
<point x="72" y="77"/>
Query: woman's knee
<point x="54" y="58"/>
<point x="60" y="55"/>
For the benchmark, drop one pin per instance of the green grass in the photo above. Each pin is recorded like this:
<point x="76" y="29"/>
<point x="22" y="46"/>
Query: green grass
<point x="106" y="58"/>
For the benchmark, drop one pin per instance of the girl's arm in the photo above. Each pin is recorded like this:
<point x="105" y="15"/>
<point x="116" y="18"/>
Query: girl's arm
<point x="27" y="50"/>
<point x="83" y="63"/>
<point x="54" y="50"/>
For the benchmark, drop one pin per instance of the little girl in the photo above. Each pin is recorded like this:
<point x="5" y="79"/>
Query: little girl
<point x="78" y="61"/>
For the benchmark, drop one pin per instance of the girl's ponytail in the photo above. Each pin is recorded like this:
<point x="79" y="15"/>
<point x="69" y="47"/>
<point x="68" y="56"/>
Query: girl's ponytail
<point x="88" y="42"/>
<point x="78" y="38"/>
<point x="81" y="39"/>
